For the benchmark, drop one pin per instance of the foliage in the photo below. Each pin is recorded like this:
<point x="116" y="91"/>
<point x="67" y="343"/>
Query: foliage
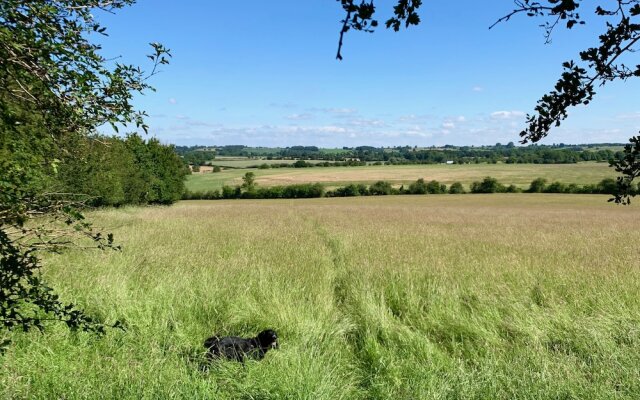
<point x="488" y="185"/>
<point x="383" y="188"/>
<point x="115" y="171"/>
<point x="629" y="168"/>
<point x="456" y="188"/>
<point x="537" y="185"/>
<point x="418" y="187"/>
<point x="249" y="181"/>
<point x="361" y="155"/>
<point x="360" y="17"/>
<point x="55" y="89"/>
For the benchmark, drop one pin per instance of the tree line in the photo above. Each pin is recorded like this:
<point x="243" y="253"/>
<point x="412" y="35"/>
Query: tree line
<point x="509" y="153"/>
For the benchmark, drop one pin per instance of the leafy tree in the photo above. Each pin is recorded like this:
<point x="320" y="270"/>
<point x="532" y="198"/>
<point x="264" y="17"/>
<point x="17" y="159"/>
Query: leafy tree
<point x="538" y="185"/>
<point x="55" y="87"/>
<point x="435" y="187"/>
<point x="488" y="185"/>
<point x="456" y="188"/>
<point x="381" y="188"/>
<point x="249" y="181"/>
<point x="418" y="187"/>
<point x="597" y="66"/>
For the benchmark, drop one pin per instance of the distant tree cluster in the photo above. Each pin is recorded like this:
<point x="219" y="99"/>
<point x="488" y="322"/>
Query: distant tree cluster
<point x="401" y="155"/>
<point x="112" y="171"/>
<point x="195" y="157"/>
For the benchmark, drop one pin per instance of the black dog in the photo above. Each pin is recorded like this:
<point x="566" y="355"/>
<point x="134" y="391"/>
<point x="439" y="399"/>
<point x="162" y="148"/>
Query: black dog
<point x="236" y="348"/>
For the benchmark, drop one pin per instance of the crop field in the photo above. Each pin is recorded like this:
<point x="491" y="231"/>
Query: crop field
<point x="404" y="297"/>
<point x="520" y="175"/>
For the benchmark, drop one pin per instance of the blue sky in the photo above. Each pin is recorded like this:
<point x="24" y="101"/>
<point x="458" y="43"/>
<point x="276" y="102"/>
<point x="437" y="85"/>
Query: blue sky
<point x="264" y="73"/>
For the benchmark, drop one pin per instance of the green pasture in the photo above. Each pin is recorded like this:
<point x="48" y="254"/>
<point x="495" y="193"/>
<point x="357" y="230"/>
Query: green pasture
<point x="404" y="297"/>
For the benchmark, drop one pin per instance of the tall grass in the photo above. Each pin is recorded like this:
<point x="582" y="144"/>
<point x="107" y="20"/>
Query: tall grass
<point x="496" y="296"/>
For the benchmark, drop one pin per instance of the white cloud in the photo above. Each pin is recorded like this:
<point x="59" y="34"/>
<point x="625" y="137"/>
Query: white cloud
<point x="366" y="122"/>
<point x="341" y="111"/>
<point x="173" y="101"/>
<point x="477" y="88"/>
<point x="507" y="114"/>
<point x="448" y="125"/>
<point x="299" y="117"/>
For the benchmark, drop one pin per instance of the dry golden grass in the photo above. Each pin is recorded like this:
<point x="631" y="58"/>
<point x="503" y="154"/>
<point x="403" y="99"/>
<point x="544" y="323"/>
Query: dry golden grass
<point x="518" y="174"/>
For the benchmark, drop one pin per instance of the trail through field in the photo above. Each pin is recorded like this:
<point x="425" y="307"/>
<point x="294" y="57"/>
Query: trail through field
<point x="404" y="297"/>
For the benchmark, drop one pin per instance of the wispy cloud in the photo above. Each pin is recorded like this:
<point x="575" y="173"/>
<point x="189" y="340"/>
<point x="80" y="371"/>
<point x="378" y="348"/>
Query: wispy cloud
<point x="477" y="89"/>
<point x="299" y="117"/>
<point x="173" y="101"/>
<point x="336" y="111"/>
<point x="448" y="125"/>
<point x="507" y="114"/>
<point x="629" y="116"/>
<point x="366" y="122"/>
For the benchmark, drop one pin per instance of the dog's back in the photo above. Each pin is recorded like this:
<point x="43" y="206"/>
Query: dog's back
<point x="231" y="347"/>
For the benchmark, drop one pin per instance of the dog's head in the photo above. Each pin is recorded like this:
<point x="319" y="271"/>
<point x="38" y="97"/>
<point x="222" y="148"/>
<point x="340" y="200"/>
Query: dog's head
<point x="268" y="339"/>
<point x="210" y="342"/>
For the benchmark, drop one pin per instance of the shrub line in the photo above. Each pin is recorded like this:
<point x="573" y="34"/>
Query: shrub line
<point x="384" y="188"/>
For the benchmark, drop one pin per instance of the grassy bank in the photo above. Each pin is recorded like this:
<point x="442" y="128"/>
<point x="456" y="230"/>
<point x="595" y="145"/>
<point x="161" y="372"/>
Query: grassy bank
<point x="487" y="296"/>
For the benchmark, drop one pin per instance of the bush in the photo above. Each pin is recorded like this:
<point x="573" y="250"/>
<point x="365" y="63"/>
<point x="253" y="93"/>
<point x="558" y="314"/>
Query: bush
<point x="301" y="164"/>
<point x="556" y="187"/>
<point x="608" y="186"/>
<point x="418" y="187"/>
<point x="351" y="190"/>
<point x="228" y="192"/>
<point x="381" y="188"/>
<point x="435" y="187"/>
<point x="538" y="185"/>
<point x="513" y="189"/>
<point x="306" y="190"/>
<point x="456" y="188"/>
<point x="488" y="185"/>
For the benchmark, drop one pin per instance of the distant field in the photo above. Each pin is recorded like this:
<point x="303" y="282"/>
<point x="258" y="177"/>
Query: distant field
<point x="247" y="162"/>
<point x="404" y="297"/>
<point x="518" y="174"/>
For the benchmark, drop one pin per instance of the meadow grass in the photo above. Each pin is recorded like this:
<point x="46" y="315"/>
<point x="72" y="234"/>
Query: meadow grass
<point x="403" y="297"/>
<point x="520" y="175"/>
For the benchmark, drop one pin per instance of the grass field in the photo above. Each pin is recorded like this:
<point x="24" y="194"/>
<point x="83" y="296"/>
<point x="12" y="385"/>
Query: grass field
<point x="403" y="297"/>
<point x="520" y="175"/>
